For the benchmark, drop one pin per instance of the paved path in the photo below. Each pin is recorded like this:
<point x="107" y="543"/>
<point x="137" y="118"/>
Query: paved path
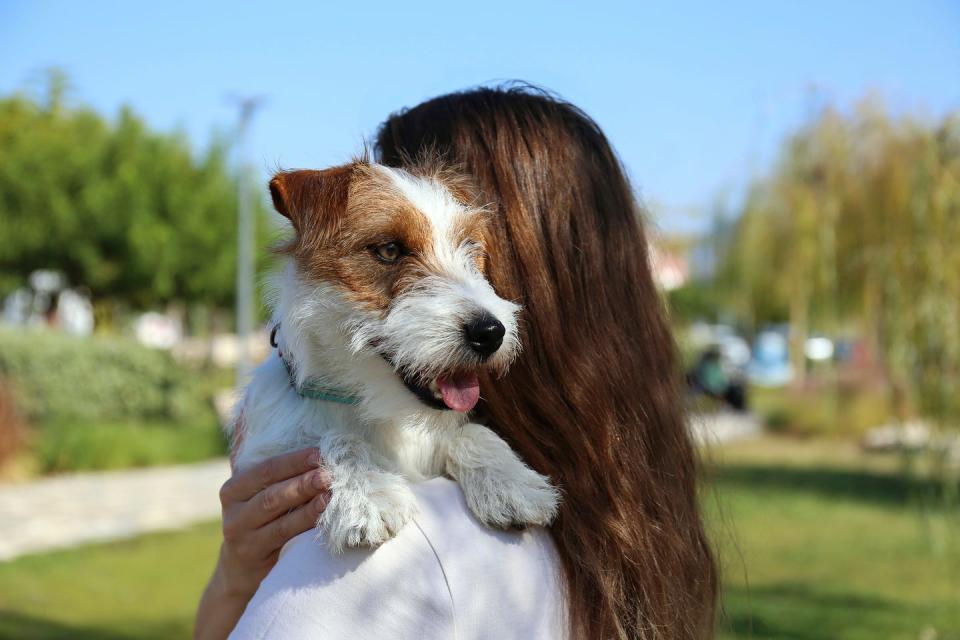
<point x="68" y="510"/>
<point x="723" y="426"/>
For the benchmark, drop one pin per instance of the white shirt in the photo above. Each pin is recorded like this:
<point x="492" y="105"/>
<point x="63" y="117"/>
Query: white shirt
<point x="444" y="577"/>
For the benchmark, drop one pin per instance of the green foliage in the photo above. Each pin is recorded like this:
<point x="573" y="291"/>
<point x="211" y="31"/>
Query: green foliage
<point x="60" y="378"/>
<point x="131" y="214"/>
<point x="696" y="300"/>
<point x="73" y="446"/>
<point x="859" y="226"/>
<point x="829" y="412"/>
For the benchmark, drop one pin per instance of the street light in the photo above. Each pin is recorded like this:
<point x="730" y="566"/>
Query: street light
<point x="245" y="238"/>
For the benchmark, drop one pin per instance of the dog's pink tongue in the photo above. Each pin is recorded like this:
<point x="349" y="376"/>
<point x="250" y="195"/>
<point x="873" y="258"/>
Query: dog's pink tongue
<point x="460" y="391"/>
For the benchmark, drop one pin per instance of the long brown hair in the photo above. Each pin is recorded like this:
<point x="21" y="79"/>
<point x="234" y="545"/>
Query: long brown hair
<point x="593" y="399"/>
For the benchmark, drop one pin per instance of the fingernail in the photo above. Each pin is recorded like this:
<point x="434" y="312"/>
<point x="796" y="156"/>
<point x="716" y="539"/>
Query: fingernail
<point x="314" y="458"/>
<point x="322" y="501"/>
<point x="321" y="479"/>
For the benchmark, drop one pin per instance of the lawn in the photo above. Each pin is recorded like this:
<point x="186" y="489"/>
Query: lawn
<point x="816" y="541"/>
<point x="142" y="588"/>
<point x="819" y="541"/>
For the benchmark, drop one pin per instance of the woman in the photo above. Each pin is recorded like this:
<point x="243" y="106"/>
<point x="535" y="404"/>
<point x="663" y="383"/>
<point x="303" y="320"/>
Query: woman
<point x="593" y="400"/>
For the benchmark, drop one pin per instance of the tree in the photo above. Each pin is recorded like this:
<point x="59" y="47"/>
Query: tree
<point x="859" y="225"/>
<point x="133" y="215"/>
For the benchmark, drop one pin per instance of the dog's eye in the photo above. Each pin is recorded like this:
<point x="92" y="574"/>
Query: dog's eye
<point x="388" y="251"/>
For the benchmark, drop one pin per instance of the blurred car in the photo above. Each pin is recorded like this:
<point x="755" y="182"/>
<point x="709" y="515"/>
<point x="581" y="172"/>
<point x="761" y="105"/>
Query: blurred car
<point x="770" y="362"/>
<point x="819" y="348"/>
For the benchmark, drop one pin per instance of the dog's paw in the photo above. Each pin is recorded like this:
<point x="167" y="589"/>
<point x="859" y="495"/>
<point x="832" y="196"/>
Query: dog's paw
<point x="517" y="497"/>
<point x="367" y="510"/>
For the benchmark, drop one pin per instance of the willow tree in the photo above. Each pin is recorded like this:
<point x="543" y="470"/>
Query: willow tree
<point x="859" y="225"/>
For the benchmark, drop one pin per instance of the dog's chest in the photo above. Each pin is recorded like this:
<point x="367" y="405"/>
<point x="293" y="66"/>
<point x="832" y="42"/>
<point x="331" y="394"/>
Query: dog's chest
<point x="276" y="419"/>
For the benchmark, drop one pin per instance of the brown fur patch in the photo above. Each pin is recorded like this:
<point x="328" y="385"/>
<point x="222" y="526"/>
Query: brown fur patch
<point x="312" y="199"/>
<point x="341" y="214"/>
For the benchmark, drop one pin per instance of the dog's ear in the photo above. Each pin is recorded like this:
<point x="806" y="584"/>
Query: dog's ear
<point x="308" y="197"/>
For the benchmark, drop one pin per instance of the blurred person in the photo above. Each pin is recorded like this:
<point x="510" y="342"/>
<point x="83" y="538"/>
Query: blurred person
<point x="74" y="313"/>
<point x="714" y="378"/>
<point x="592" y="401"/>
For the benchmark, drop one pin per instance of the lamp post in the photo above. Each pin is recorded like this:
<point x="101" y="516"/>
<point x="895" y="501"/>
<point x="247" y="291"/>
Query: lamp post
<point x="245" y="236"/>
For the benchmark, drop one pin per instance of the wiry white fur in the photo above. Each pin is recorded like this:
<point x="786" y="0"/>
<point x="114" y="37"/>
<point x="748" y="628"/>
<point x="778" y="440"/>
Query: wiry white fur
<point x="375" y="448"/>
<point x="423" y="332"/>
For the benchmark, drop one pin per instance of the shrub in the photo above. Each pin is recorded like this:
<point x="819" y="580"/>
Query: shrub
<point x="67" y="446"/>
<point x="842" y="411"/>
<point x="12" y="431"/>
<point x="55" y="377"/>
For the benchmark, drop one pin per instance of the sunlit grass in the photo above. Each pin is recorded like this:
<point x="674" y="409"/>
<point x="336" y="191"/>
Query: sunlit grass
<point x="819" y="541"/>
<point x="142" y="588"/>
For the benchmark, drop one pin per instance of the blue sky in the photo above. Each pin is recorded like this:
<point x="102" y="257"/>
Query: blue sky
<point x="695" y="96"/>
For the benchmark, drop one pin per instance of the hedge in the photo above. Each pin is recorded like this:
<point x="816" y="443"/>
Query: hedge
<point x="61" y="378"/>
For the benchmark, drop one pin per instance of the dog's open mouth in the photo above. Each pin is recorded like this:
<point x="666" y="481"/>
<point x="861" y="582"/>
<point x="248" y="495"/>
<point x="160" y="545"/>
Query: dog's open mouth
<point x="456" y="391"/>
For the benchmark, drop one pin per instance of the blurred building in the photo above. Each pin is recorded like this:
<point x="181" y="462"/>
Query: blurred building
<point x="669" y="265"/>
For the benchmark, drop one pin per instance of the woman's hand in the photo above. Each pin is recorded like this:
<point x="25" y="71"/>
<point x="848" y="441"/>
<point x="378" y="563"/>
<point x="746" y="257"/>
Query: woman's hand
<point x="263" y="507"/>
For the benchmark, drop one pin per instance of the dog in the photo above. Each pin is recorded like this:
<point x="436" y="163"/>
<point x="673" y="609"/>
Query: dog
<point x="384" y="318"/>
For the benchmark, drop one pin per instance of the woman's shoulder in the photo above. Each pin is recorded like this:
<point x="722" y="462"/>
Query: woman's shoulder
<point x="444" y="575"/>
<point x="468" y="550"/>
<point x="503" y="584"/>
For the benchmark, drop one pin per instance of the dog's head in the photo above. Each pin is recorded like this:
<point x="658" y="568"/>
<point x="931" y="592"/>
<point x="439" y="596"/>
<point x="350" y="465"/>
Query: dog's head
<point x="392" y="263"/>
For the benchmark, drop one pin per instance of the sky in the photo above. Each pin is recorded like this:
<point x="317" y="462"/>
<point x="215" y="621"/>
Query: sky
<point x="695" y="96"/>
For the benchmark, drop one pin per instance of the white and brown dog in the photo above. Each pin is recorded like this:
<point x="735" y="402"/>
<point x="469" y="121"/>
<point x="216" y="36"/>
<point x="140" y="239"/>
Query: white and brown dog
<point x="385" y="318"/>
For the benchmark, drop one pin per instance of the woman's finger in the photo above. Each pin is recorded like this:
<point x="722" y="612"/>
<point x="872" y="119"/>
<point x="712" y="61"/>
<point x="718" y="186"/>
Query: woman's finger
<point x="276" y="534"/>
<point x="282" y="497"/>
<point x="245" y="485"/>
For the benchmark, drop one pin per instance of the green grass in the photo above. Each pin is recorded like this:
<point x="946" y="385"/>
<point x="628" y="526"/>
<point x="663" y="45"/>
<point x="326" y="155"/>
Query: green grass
<point x="816" y="541"/>
<point x="143" y="588"/>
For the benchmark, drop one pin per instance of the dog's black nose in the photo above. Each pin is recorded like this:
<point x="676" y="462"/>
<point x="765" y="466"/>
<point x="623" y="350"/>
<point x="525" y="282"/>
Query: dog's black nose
<point x="484" y="334"/>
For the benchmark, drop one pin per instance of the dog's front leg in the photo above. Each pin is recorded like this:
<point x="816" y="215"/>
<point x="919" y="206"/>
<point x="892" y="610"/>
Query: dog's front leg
<point x="500" y="489"/>
<point x="368" y="505"/>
